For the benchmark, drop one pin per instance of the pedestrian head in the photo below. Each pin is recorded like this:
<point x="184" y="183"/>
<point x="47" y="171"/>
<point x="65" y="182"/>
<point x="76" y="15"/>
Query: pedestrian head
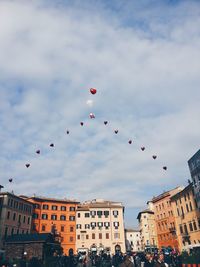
<point x="148" y="256"/>
<point x="161" y="257"/>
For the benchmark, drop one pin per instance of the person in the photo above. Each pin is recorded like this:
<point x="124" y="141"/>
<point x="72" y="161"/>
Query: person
<point x="161" y="262"/>
<point x="148" y="260"/>
<point x="127" y="262"/>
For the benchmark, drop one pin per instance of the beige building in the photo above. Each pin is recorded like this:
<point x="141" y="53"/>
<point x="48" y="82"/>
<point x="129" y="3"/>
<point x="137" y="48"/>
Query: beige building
<point x="187" y="218"/>
<point x="100" y="226"/>
<point x="147" y="228"/>
<point x="133" y="240"/>
<point x="15" y="216"/>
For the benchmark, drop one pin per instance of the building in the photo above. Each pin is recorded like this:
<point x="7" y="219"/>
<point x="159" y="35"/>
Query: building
<point x="194" y="166"/>
<point x="40" y="246"/>
<point x="165" y="219"/>
<point x="56" y="216"/>
<point x="133" y="240"/>
<point x="15" y="216"/>
<point x="187" y="218"/>
<point x="147" y="228"/>
<point x="100" y="226"/>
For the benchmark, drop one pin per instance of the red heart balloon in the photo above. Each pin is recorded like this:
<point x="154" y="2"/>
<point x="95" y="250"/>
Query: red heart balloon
<point x="93" y="91"/>
<point x="27" y="165"/>
<point x="143" y="148"/>
<point x="154" y="156"/>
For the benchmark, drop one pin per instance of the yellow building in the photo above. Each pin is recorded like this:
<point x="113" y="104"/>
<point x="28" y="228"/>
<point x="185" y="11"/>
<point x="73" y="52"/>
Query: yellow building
<point x="187" y="218"/>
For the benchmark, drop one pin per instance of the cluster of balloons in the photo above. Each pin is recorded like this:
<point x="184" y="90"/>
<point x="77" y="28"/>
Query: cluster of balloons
<point x="93" y="91"/>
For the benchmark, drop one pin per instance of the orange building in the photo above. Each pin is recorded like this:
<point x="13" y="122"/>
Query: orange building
<point x="165" y="219"/>
<point x="187" y="217"/>
<point x="58" y="216"/>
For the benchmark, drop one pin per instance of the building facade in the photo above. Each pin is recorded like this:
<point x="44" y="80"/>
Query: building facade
<point x="194" y="166"/>
<point x="100" y="226"/>
<point x="165" y="219"/>
<point x="57" y="216"/>
<point x="187" y="218"/>
<point x="147" y="228"/>
<point x="15" y="216"/>
<point x="133" y="240"/>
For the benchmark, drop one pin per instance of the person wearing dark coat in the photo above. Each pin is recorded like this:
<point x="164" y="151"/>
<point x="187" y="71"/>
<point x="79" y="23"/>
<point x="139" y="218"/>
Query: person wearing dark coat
<point x="127" y="262"/>
<point x="160" y="262"/>
<point x="148" y="260"/>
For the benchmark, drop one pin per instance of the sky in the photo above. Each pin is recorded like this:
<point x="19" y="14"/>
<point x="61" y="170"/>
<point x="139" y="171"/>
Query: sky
<point x="144" y="59"/>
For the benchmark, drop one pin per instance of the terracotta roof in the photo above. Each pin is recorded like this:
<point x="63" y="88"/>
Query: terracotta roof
<point x="48" y="199"/>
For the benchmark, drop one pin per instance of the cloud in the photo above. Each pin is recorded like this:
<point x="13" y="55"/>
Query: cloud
<point x="144" y="60"/>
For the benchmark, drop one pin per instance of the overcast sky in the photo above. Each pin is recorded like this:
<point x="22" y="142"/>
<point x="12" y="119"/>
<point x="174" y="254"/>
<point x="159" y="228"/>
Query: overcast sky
<point x="144" y="59"/>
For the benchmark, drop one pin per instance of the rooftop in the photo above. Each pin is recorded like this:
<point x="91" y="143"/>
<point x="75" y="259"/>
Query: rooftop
<point x="165" y="194"/>
<point x="49" y="199"/>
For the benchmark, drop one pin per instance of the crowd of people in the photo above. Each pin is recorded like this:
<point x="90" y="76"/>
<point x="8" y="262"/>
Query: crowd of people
<point x="103" y="260"/>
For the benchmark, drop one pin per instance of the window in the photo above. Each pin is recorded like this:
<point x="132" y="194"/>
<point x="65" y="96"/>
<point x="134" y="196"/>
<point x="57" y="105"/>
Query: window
<point x="71" y="239"/>
<point x="191" y="206"/>
<point x="185" y="229"/>
<point x="54" y="207"/>
<point x="62" y="217"/>
<point x="107" y="235"/>
<point x="36" y="206"/>
<point x="19" y="218"/>
<point x="44" y="216"/>
<point x="78" y="237"/>
<point x="115" y="213"/>
<point x="62" y="228"/>
<point x="28" y="220"/>
<point x="71" y="229"/>
<point x="72" y="218"/>
<point x="100" y="224"/>
<point x="43" y="228"/>
<point x="178" y="212"/>
<point x="12" y="231"/>
<point x="6" y="231"/>
<point x="87" y="215"/>
<point x="24" y="220"/>
<point x="87" y="226"/>
<point x="72" y="209"/>
<point x="187" y="208"/>
<point x="79" y="215"/>
<point x="93" y="225"/>
<point x="87" y="236"/>
<point x="99" y="213"/>
<point x="78" y="226"/>
<point x="100" y="235"/>
<point x="63" y="208"/>
<point x="14" y="216"/>
<point x="195" y="226"/>
<point x="45" y="207"/>
<point x="35" y="215"/>
<point x="8" y="215"/>
<point x="116" y="225"/>
<point x="190" y="226"/>
<point x="107" y="225"/>
<point x="93" y="213"/>
<point x="106" y="213"/>
<point x="54" y="217"/>
<point x="116" y="235"/>
<point x="93" y="235"/>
